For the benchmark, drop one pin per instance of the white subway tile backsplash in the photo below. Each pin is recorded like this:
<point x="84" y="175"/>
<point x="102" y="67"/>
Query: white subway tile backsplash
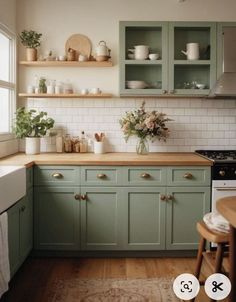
<point x="197" y="123"/>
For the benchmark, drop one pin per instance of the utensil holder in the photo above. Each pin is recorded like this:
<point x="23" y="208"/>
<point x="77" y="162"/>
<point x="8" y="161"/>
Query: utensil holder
<point x="99" y="147"/>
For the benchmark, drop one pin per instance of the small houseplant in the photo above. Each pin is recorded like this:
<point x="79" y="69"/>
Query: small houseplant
<point x="31" y="126"/>
<point x="145" y="125"/>
<point x="30" y="39"/>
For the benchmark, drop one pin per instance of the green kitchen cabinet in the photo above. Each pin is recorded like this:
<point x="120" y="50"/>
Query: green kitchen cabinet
<point x="185" y="207"/>
<point x="101" y="218"/>
<point x="144" y="218"/>
<point x="172" y="74"/>
<point x="20" y="231"/>
<point x="56" y="218"/>
<point x="154" y="73"/>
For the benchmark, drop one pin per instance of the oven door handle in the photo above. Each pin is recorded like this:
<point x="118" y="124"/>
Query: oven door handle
<point x="225" y="189"/>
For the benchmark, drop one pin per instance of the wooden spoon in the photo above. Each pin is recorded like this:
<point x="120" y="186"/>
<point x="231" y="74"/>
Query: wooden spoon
<point x="97" y="137"/>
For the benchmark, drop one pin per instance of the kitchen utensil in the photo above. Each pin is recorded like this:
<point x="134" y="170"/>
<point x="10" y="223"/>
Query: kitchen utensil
<point x="192" y="51"/>
<point x="80" y="43"/>
<point x="153" y="56"/>
<point x="136" y="84"/>
<point x="102" y="49"/>
<point x="97" y="137"/>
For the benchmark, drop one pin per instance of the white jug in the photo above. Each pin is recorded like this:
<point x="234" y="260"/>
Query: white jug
<point x="102" y="49"/>
<point x="192" y="51"/>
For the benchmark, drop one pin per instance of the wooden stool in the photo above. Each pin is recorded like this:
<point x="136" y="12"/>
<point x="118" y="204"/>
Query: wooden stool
<point x="220" y="238"/>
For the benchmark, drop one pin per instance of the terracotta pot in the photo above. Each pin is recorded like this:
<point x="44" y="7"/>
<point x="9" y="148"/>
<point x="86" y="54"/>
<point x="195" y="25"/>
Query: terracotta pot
<point x="31" y="54"/>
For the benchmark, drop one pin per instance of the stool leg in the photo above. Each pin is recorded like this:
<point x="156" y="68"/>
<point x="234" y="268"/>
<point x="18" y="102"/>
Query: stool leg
<point x="201" y="249"/>
<point x="219" y="257"/>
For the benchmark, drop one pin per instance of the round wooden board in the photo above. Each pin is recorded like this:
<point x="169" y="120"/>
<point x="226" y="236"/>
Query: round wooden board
<point x="80" y="43"/>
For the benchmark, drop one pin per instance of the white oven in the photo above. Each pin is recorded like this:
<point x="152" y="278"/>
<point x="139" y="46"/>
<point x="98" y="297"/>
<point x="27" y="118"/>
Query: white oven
<point x="222" y="188"/>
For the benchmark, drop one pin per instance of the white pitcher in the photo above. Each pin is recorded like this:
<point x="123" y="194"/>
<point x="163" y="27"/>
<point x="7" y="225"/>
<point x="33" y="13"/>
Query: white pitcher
<point x="192" y="51"/>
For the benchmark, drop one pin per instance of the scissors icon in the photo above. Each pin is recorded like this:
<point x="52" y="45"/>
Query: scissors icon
<point x="217" y="286"/>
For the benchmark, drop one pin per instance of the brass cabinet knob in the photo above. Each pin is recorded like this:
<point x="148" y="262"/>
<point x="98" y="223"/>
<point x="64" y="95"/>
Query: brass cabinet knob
<point x="162" y="197"/>
<point x="145" y="175"/>
<point x="83" y="197"/>
<point x="222" y="173"/>
<point x="164" y="91"/>
<point x="57" y="175"/>
<point x="188" y="175"/>
<point x="77" y="196"/>
<point x="101" y="175"/>
<point x="170" y="197"/>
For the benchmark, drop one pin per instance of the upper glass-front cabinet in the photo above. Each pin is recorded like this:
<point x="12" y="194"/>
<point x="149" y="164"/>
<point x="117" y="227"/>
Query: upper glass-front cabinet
<point x="172" y="58"/>
<point x="140" y="75"/>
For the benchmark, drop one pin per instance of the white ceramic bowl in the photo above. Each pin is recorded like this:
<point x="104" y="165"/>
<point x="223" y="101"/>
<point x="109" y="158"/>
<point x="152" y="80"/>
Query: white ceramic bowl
<point x="201" y="86"/>
<point x="153" y="56"/>
<point x="136" y="84"/>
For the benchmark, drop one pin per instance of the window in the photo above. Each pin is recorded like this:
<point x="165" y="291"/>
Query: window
<point x="7" y="81"/>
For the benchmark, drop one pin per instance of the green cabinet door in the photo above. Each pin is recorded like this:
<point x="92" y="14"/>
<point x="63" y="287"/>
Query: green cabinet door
<point x="185" y="207"/>
<point x="144" y="220"/>
<point x="56" y="218"/>
<point x="185" y="74"/>
<point x="101" y="218"/>
<point x="14" y="237"/>
<point x="26" y="225"/>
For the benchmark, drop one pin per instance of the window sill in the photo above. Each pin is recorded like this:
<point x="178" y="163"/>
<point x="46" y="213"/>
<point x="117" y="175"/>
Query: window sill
<point x="6" y="137"/>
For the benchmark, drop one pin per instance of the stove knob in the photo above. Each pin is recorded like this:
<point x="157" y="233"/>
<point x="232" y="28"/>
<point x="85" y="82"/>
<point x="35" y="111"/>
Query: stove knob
<point x="222" y="173"/>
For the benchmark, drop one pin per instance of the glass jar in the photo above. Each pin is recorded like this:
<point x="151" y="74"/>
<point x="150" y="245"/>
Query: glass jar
<point x="67" y="144"/>
<point x="142" y="146"/>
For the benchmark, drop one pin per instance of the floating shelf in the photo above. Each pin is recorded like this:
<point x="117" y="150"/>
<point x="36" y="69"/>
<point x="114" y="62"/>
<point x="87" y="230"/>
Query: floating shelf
<point x="66" y="64"/>
<point x="62" y="95"/>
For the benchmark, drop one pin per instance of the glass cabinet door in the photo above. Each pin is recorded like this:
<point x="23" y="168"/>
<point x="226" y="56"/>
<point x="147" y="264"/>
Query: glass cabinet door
<point x="192" y="57"/>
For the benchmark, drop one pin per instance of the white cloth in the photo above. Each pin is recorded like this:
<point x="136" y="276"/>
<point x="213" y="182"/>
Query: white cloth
<point x="4" y="258"/>
<point x="216" y="222"/>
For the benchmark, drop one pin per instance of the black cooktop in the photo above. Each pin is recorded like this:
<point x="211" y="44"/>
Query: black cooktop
<point x="219" y="156"/>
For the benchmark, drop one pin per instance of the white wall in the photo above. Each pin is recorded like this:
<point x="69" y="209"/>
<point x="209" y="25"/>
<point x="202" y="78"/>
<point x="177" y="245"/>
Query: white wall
<point x="99" y="20"/>
<point x="8" y="18"/>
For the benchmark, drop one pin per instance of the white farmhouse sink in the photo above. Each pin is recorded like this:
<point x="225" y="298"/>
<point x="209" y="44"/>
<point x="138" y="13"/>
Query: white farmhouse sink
<point x="12" y="185"/>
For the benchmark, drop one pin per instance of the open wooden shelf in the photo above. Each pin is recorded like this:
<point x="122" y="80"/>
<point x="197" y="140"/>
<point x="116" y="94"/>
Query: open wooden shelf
<point x="66" y="64"/>
<point x="62" y="95"/>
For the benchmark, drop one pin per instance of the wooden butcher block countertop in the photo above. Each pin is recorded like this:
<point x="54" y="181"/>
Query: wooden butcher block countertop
<point x="111" y="159"/>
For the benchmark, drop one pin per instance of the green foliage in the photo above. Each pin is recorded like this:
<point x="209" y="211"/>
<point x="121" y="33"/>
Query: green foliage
<point x="30" y="38"/>
<point x="31" y="124"/>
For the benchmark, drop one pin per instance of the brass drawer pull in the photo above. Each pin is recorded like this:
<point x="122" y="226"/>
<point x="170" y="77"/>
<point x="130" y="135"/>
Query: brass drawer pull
<point x="101" y="175"/>
<point x="170" y="197"/>
<point x="57" y="175"/>
<point x="145" y="175"/>
<point x="162" y="197"/>
<point x="77" y="196"/>
<point x="188" y="175"/>
<point x="84" y="197"/>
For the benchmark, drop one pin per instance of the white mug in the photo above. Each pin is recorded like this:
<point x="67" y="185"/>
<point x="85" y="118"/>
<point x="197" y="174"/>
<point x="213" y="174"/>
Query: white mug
<point x="83" y="58"/>
<point x="192" y="51"/>
<point x="84" y="91"/>
<point x="95" y="91"/>
<point x="141" y="52"/>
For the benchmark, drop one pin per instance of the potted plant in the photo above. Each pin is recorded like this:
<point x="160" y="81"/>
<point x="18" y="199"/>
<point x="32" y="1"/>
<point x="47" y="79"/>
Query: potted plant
<point x="145" y="125"/>
<point x="31" y="126"/>
<point x="30" y="39"/>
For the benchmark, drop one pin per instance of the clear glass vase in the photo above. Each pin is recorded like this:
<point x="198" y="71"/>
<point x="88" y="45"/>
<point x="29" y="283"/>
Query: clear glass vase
<point x="142" y="146"/>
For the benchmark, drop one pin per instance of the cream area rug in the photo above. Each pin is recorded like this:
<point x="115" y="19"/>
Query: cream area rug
<point x="113" y="290"/>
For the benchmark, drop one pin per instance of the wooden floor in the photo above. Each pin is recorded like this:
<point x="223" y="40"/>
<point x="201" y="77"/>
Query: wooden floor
<point x="35" y="277"/>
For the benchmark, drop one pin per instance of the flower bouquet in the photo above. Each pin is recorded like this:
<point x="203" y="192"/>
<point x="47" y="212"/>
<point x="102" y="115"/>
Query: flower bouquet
<point x="145" y="125"/>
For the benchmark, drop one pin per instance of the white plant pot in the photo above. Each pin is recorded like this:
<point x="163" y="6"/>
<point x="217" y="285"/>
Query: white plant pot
<point x="32" y="145"/>
<point x="99" y="147"/>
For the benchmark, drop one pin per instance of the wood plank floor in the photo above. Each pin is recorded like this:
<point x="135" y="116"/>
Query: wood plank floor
<point x="35" y="277"/>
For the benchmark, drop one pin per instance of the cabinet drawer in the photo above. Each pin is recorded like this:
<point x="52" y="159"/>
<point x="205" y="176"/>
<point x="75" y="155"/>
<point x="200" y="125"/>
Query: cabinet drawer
<point x="56" y="176"/>
<point x="101" y="176"/>
<point x="189" y="176"/>
<point x="145" y="176"/>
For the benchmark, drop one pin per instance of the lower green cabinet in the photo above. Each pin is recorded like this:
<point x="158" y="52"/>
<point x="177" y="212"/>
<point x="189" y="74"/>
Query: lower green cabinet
<point x="20" y="231"/>
<point x="56" y="218"/>
<point x="144" y="218"/>
<point x="185" y="206"/>
<point x="101" y="218"/>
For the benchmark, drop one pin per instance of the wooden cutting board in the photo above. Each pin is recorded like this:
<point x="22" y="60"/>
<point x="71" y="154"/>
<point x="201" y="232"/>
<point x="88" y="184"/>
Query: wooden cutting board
<point x="80" y="43"/>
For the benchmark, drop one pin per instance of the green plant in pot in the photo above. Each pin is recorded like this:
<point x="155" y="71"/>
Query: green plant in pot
<point x="30" y="39"/>
<point x="31" y="126"/>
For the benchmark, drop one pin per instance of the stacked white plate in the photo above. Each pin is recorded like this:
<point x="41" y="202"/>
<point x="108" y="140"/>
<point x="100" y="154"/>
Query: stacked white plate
<point x="136" y="84"/>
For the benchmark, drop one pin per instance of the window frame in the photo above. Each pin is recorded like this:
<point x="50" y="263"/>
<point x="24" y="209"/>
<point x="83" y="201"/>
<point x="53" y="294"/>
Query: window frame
<point x="11" y="84"/>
